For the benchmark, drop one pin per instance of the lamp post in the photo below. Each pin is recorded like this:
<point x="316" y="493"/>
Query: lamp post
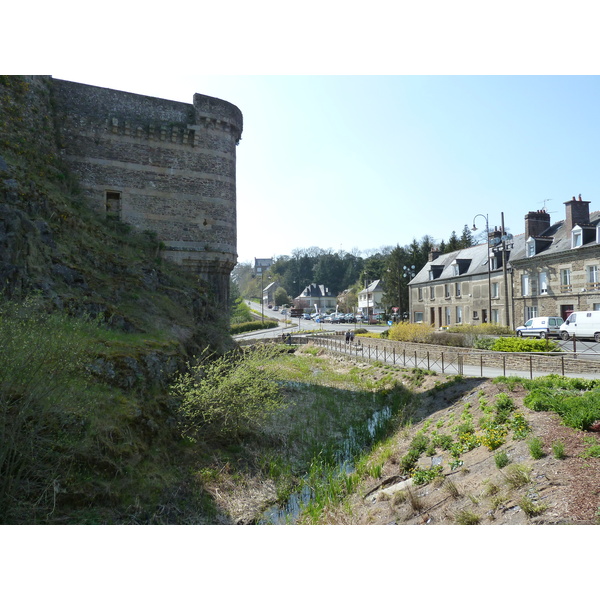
<point x="487" y="235"/>
<point x="506" y="241"/>
<point x="409" y="273"/>
<point x="262" y="295"/>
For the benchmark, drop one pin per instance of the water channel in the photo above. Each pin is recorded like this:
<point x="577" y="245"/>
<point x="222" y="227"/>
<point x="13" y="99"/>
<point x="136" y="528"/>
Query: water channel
<point x="357" y="440"/>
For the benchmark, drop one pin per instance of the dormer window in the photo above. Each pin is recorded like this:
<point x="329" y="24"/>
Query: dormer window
<point x="530" y="247"/>
<point x="435" y="271"/>
<point x="576" y="237"/>
<point x="460" y="266"/>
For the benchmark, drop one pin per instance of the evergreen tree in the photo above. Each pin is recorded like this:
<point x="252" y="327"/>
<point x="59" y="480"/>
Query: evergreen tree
<point x="466" y="239"/>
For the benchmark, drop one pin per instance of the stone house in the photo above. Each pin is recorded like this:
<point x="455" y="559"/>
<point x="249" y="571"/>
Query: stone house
<point x="550" y="270"/>
<point x="463" y="286"/>
<point x="557" y="270"/>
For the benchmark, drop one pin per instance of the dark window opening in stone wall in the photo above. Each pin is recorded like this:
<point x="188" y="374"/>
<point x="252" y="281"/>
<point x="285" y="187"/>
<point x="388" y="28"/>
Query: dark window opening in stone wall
<point x="113" y="205"/>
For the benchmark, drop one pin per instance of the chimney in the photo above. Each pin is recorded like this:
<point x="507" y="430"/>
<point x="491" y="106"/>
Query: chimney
<point x="433" y="254"/>
<point x="536" y="222"/>
<point x="577" y="213"/>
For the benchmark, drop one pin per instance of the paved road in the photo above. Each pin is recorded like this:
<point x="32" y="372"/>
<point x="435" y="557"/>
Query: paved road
<point x="468" y="370"/>
<point x="307" y="325"/>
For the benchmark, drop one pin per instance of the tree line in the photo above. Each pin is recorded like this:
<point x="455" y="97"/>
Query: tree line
<point x="345" y="271"/>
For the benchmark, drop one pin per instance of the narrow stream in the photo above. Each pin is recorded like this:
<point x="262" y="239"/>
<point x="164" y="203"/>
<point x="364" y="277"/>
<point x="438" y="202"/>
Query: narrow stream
<point x="355" y="441"/>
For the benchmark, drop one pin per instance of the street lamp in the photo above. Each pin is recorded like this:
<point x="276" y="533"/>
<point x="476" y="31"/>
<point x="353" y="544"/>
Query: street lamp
<point x="487" y="235"/>
<point x="262" y="295"/>
<point x="502" y="244"/>
<point x="409" y="273"/>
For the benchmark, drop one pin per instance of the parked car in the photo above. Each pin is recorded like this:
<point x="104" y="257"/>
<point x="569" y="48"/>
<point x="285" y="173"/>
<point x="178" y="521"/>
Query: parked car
<point x="350" y="318"/>
<point x="582" y="324"/>
<point x="541" y="327"/>
<point x="306" y="316"/>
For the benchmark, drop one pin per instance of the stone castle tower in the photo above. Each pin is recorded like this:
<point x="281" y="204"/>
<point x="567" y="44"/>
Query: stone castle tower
<point x="159" y="165"/>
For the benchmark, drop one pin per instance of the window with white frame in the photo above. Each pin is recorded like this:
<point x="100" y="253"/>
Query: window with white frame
<point x="525" y="287"/>
<point x="459" y="313"/>
<point x="418" y="317"/>
<point x="592" y="276"/>
<point x="420" y="294"/>
<point x="457" y="289"/>
<point x="446" y="290"/>
<point x="495" y="315"/>
<point x="448" y="315"/>
<point x="432" y="292"/>
<point x="530" y="247"/>
<point x="543" y="282"/>
<point x="576" y="237"/>
<point x="495" y="290"/>
<point x="565" y="280"/>
<point x="531" y="312"/>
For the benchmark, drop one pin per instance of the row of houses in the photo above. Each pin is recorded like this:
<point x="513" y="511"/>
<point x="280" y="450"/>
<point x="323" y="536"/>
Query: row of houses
<point x="318" y="297"/>
<point x="550" y="269"/>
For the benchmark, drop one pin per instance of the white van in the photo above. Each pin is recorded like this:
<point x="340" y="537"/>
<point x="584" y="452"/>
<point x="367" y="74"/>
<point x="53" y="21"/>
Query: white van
<point x="541" y="327"/>
<point x="582" y="324"/>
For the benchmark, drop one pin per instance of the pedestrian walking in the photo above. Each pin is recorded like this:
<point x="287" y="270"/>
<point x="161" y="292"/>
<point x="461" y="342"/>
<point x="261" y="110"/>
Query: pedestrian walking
<point x="347" y="336"/>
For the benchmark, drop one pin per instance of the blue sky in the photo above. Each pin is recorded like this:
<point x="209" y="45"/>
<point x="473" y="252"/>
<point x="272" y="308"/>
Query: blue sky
<point x="363" y="129"/>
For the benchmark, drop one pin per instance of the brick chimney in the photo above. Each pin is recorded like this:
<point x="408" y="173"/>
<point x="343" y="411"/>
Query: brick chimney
<point x="433" y="254"/>
<point x="577" y="213"/>
<point x="536" y="222"/>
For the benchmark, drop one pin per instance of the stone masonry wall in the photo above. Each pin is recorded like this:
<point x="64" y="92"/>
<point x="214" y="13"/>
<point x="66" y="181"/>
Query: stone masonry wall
<point x="172" y="166"/>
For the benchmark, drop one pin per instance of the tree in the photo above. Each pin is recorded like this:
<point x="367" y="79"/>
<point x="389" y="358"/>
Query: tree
<point x="466" y="239"/>
<point x="281" y="296"/>
<point x="395" y="282"/>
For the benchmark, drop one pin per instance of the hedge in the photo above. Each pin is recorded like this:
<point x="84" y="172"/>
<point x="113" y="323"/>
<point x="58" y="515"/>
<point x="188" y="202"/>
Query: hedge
<point x="252" y="326"/>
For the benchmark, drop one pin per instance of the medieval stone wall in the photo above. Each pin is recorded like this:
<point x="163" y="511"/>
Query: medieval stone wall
<point x="159" y="165"/>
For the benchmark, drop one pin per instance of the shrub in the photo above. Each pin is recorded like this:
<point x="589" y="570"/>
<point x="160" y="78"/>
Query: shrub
<point x="421" y="476"/>
<point x="515" y="344"/>
<point x="493" y="437"/>
<point x="251" y="326"/>
<point x="501" y="459"/>
<point x="465" y="517"/>
<point x="577" y="410"/>
<point x="536" y="448"/>
<point x="558" y="449"/>
<point x="411" y="332"/>
<point x="226" y="396"/>
<point x="482" y="329"/>
<point x="517" y="475"/>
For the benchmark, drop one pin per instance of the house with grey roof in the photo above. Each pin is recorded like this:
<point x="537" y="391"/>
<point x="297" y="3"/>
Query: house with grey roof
<point x="557" y="270"/>
<point x="370" y="299"/>
<point x="464" y="286"/>
<point x="316" y="296"/>
<point x="550" y="270"/>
